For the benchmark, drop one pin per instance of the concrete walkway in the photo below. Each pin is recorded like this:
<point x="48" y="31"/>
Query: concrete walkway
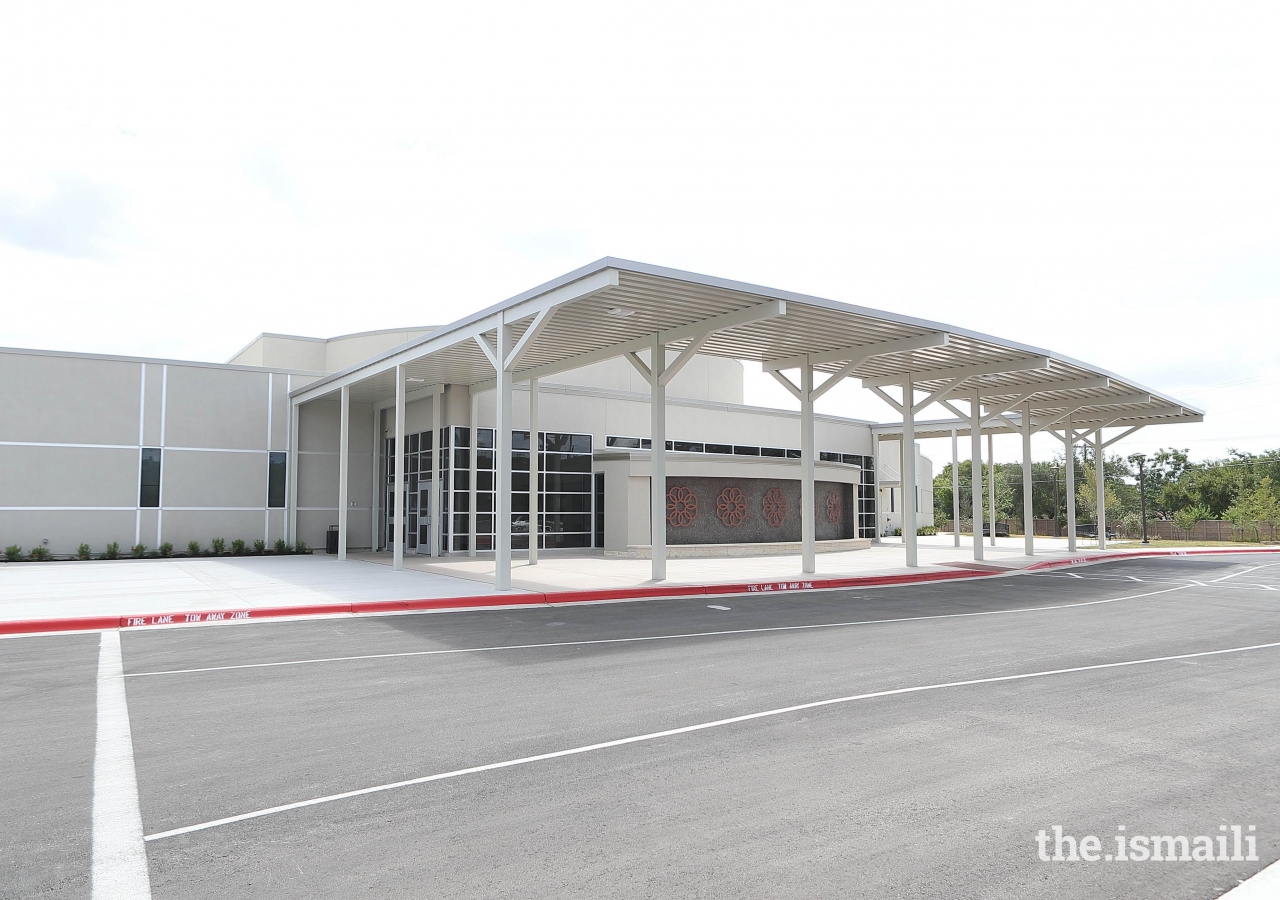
<point x="151" y="586"/>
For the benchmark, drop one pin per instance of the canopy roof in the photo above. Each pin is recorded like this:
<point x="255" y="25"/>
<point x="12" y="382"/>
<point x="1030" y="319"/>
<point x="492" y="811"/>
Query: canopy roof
<point x="614" y="306"/>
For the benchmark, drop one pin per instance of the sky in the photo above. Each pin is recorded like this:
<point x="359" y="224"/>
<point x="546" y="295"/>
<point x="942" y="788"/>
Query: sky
<point x="1095" y="179"/>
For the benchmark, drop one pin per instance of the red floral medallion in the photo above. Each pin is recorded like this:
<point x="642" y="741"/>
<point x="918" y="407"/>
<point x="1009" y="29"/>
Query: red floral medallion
<point x="682" y="507"/>
<point x="731" y="507"/>
<point x="775" y="507"/>
<point x="834" y="508"/>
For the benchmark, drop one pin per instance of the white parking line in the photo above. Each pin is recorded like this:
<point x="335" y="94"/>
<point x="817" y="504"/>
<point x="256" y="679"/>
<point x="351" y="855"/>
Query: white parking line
<point x="656" y="637"/>
<point x="672" y="732"/>
<point x="119" y="854"/>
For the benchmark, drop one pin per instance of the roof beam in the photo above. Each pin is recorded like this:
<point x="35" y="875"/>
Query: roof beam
<point x="489" y="350"/>
<point x="859" y="354"/>
<point x="786" y="383"/>
<point x="1121" y="436"/>
<point x="638" y="364"/>
<point x="1021" y="364"/>
<point x="574" y="290"/>
<point x="526" y="340"/>
<point x="1076" y="384"/>
<point x="939" y="395"/>
<point x="683" y="333"/>
<point x="683" y="359"/>
<point x="1088" y="402"/>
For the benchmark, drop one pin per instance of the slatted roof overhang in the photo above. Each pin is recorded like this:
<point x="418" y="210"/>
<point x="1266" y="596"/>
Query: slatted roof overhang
<point x="580" y="324"/>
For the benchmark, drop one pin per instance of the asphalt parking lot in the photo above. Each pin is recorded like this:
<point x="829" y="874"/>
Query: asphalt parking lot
<point x="899" y="742"/>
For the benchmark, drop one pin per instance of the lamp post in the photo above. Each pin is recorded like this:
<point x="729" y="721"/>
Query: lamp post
<point x="1055" y="499"/>
<point x="1140" y="460"/>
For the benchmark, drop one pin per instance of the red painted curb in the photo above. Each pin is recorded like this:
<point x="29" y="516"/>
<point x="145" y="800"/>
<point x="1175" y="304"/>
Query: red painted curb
<point x="536" y="598"/>
<point x="38" y="626"/>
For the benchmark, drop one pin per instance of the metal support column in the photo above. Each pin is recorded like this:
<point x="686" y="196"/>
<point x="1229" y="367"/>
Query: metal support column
<point x="1028" y="510"/>
<point x="808" y="509"/>
<point x="439" y="465"/>
<point x="471" y="483"/>
<point x="955" y="486"/>
<point x="534" y="465"/>
<point x="1100" y="475"/>
<point x="377" y="480"/>
<point x="991" y="484"/>
<point x="502" y="461"/>
<point x="344" y="462"/>
<point x="909" y="500"/>
<point x="975" y="469"/>
<point x="1069" y="441"/>
<point x="658" y="460"/>
<point x="397" y="527"/>
<point x="292" y="474"/>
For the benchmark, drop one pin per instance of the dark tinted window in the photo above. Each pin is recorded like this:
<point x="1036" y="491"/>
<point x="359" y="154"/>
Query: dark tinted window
<point x="275" y="479"/>
<point x="149" y="495"/>
<point x="739" y="450"/>
<point x="773" y="451"/>
<point x="719" y="448"/>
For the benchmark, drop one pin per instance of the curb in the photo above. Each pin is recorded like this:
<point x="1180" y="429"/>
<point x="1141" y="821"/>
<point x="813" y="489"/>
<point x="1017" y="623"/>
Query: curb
<point x="551" y="598"/>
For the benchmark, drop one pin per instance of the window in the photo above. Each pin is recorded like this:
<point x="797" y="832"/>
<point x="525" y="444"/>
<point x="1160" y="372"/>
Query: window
<point x="739" y="450"/>
<point x="275" y="479"/>
<point x="149" y="494"/>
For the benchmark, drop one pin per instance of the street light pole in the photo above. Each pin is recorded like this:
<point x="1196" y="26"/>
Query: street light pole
<point x="1140" y="460"/>
<point x="1055" y="500"/>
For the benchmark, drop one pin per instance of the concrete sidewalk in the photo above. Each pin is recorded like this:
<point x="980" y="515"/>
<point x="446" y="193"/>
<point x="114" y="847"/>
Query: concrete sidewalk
<point x="151" y="586"/>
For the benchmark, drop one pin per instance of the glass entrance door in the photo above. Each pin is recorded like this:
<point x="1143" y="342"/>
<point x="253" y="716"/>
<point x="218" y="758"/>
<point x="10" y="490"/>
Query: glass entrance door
<point x="424" y="516"/>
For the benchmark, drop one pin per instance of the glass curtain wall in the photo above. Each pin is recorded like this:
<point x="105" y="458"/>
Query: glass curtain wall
<point x="565" y="488"/>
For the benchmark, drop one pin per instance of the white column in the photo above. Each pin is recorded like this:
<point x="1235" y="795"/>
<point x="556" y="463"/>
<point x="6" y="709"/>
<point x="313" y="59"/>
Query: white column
<point x="534" y="459"/>
<point x="808" y="506"/>
<point x="344" y="454"/>
<point x="397" y="543"/>
<point x="975" y="466"/>
<point x="291" y="474"/>
<point x="1028" y="509"/>
<point x="374" y="523"/>
<point x="875" y="446"/>
<point x="438" y="462"/>
<point x="471" y="489"/>
<point x="909" y="537"/>
<point x="658" y="460"/>
<point x="502" y="461"/>
<point x="1100" y="475"/>
<point x="991" y="483"/>
<point x="1069" y="442"/>
<point x="955" y="486"/>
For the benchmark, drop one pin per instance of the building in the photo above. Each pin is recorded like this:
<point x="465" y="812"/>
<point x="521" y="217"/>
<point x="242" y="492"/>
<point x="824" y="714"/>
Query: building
<point x="633" y="459"/>
<point x="132" y="450"/>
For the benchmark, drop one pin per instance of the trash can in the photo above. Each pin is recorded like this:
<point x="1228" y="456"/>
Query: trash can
<point x="331" y="540"/>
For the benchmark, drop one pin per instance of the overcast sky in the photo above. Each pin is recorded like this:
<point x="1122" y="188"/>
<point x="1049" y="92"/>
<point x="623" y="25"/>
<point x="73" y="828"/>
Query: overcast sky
<point x="1098" y="180"/>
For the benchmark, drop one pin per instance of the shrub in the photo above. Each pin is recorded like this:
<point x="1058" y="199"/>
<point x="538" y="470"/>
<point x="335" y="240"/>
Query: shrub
<point x="259" y="546"/>
<point x="13" y="553"/>
<point x="113" y="550"/>
<point x="281" y="547"/>
<point x="166" y="549"/>
<point x="193" y="548"/>
<point x="237" y="547"/>
<point x="41" y="554"/>
<point x="218" y="545"/>
<point x="83" y="552"/>
<point x="926" y="530"/>
<point x="301" y="547"/>
<point x="897" y="532"/>
<point x="139" y="550"/>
